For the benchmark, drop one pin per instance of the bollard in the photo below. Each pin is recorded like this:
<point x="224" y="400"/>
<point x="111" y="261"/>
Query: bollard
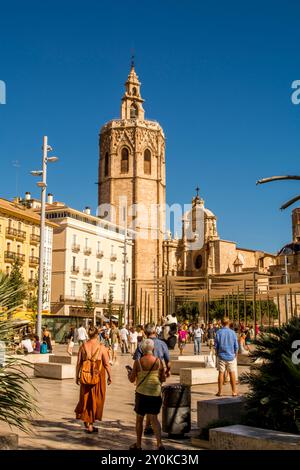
<point x="176" y="409"/>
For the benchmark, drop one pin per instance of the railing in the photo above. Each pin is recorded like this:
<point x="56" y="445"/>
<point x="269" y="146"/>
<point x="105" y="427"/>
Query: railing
<point x="113" y="277"/>
<point x="86" y="272"/>
<point x="34" y="238"/>
<point x="11" y="256"/>
<point x="99" y="254"/>
<point x="13" y="232"/>
<point x="33" y="260"/>
<point x="99" y="274"/>
<point x="75" y="247"/>
<point x="87" y="251"/>
<point x="74" y="269"/>
<point x="113" y="257"/>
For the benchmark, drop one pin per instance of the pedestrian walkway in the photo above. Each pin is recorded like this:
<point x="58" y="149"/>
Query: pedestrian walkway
<point x="56" y="427"/>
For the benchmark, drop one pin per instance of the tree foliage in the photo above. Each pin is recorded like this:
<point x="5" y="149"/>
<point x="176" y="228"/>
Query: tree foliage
<point x="273" y="401"/>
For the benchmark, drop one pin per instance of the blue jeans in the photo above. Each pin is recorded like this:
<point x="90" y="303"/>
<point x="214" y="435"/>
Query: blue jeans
<point x="197" y="345"/>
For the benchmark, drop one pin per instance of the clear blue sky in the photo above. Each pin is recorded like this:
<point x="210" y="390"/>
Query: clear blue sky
<point x="216" y="75"/>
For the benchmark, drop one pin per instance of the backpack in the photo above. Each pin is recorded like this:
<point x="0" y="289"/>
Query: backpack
<point x="90" y="371"/>
<point x="43" y="348"/>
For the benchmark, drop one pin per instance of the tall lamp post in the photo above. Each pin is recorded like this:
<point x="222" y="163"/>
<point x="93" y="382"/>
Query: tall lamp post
<point x="43" y="185"/>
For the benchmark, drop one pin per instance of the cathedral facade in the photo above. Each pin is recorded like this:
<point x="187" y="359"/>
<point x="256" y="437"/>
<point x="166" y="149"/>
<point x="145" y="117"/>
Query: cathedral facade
<point x="132" y="186"/>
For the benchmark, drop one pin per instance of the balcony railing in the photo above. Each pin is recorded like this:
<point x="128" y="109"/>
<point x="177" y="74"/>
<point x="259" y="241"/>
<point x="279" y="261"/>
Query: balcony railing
<point x="87" y="251"/>
<point x="33" y="260"/>
<point x="99" y="274"/>
<point x="75" y="269"/>
<point x="99" y="254"/>
<point x="113" y="257"/>
<point x="11" y="256"/>
<point x="75" y="248"/>
<point x="14" y="233"/>
<point x="86" y="272"/>
<point x="34" y="238"/>
<point x="112" y="276"/>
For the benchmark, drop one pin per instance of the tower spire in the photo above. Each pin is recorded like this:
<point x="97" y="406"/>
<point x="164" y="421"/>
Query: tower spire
<point x="132" y="102"/>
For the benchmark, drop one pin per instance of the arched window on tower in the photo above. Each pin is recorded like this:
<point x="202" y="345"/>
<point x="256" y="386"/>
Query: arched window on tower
<point x="134" y="92"/>
<point x="106" y="164"/>
<point x="124" y="160"/>
<point x="133" y="111"/>
<point x="147" y="162"/>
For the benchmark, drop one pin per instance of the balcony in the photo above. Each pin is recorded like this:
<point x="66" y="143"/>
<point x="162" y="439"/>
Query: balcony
<point x="33" y="260"/>
<point x="99" y="274"/>
<point x="32" y="283"/>
<point x="11" y="256"/>
<point x="87" y="251"/>
<point x="20" y="235"/>
<point x="86" y="272"/>
<point x="113" y="257"/>
<point x="34" y="239"/>
<point x="75" y="248"/>
<point x="99" y="254"/>
<point x="112" y="276"/>
<point x="14" y="233"/>
<point x="75" y="269"/>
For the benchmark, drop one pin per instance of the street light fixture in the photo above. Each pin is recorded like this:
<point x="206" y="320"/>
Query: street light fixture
<point x="43" y="185"/>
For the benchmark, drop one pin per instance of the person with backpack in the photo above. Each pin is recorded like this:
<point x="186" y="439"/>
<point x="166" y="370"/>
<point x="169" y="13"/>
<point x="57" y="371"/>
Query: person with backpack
<point x="92" y="367"/>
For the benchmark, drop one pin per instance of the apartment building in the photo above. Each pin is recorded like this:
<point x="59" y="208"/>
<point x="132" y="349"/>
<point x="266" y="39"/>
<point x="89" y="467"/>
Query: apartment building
<point x="86" y="250"/>
<point x="20" y="239"/>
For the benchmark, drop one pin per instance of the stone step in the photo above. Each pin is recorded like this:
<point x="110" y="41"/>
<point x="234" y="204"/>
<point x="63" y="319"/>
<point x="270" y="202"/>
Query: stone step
<point x="63" y="359"/>
<point x="228" y="408"/>
<point x="198" y="376"/>
<point x="239" y="437"/>
<point x="55" y="371"/>
<point x="177" y="365"/>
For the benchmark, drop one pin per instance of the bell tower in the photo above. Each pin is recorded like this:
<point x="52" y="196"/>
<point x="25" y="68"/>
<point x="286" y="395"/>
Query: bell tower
<point x="132" y="189"/>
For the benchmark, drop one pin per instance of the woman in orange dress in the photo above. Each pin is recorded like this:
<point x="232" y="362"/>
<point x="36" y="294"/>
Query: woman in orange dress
<point x="92" y="356"/>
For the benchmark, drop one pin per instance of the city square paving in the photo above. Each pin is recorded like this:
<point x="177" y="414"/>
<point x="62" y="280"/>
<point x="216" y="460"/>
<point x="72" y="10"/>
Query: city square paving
<point x="57" y="428"/>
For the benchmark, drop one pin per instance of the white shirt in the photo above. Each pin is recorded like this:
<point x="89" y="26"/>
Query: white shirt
<point x="26" y="343"/>
<point x="198" y="332"/>
<point x="124" y="334"/>
<point x="82" y="334"/>
<point x="133" y="337"/>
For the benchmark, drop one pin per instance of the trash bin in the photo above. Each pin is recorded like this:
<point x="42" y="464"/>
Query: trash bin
<point x="176" y="409"/>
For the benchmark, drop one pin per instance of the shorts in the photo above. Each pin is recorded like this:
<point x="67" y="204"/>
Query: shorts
<point x="222" y="365"/>
<point x="115" y="346"/>
<point x="147" y="405"/>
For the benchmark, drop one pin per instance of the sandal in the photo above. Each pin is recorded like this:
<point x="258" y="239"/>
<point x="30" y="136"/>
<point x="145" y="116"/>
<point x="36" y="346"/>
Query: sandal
<point x="218" y="395"/>
<point x="134" y="447"/>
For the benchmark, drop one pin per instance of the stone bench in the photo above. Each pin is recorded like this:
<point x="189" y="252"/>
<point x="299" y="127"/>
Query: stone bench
<point x="231" y="409"/>
<point x="63" y="359"/>
<point x="177" y="365"/>
<point x="198" y="376"/>
<point x="31" y="359"/>
<point x="240" y="437"/>
<point x="194" y="358"/>
<point x="55" y="371"/>
<point x="9" y="441"/>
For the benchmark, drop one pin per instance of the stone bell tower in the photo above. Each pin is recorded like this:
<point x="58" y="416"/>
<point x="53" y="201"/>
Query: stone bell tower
<point x="132" y="188"/>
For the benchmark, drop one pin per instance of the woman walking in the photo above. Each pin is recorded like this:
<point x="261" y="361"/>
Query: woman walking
<point x="148" y="372"/>
<point x="91" y="369"/>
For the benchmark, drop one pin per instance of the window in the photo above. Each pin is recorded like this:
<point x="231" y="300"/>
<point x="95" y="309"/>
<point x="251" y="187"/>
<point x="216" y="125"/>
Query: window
<point x="19" y="225"/>
<point x="98" y="246"/>
<point x="133" y="111"/>
<point x="198" y="262"/>
<point x="98" y="266"/>
<point x="18" y="249"/>
<point x="73" y="288"/>
<point x="74" y="239"/>
<point x="7" y="270"/>
<point x="147" y="162"/>
<point x="84" y="288"/>
<point x="134" y="92"/>
<point x="86" y="243"/>
<point x="8" y="246"/>
<point x="106" y="164"/>
<point x="32" y="251"/>
<point x="74" y="263"/>
<point x="111" y="269"/>
<point x="97" y="292"/>
<point x="31" y="275"/>
<point x="85" y="264"/>
<point x="124" y="160"/>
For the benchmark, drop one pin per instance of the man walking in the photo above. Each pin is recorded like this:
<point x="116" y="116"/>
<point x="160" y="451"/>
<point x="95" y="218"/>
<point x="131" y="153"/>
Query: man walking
<point x="81" y="334"/>
<point x="227" y="347"/>
<point x="124" y="333"/>
<point x="198" y="333"/>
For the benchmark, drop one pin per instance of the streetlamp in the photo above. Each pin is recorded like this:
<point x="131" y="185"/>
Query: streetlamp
<point x="43" y="185"/>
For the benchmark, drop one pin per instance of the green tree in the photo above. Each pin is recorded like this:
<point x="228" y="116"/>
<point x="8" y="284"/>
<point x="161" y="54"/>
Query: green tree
<point x="187" y="311"/>
<point x="110" y="302"/>
<point x="89" y="304"/>
<point x="17" y="285"/>
<point x="273" y="401"/>
<point x="17" y="405"/>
